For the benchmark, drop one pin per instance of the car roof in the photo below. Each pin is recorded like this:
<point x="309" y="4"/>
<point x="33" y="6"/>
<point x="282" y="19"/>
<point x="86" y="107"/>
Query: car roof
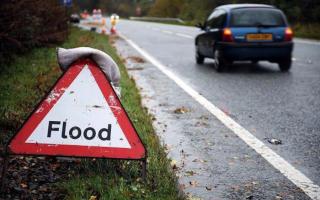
<point x="229" y="7"/>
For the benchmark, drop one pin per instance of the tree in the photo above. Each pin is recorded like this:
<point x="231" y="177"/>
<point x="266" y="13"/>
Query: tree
<point x="25" y="24"/>
<point x="166" y="8"/>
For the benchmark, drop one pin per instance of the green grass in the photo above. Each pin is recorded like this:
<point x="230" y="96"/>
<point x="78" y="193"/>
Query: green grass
<point x="311" y="31"/>
<point x="27" y="79"/>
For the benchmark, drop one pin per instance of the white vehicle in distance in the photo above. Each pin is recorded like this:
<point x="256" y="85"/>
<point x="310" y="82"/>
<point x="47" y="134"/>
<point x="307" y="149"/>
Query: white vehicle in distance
<point x="96" y="17"/>
<point x="114" y="17"/>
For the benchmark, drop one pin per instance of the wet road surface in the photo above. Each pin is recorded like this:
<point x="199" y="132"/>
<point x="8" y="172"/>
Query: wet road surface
<point x="266" y="102"/>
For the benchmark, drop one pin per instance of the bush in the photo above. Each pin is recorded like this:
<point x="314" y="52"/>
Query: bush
<point x="26" y="24"/>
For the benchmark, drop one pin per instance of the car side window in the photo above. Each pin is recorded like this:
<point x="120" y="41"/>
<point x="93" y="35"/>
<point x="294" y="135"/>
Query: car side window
<point x="216" y="19"/>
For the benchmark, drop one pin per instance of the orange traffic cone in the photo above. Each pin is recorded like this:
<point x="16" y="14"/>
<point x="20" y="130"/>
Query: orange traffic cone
<point x="103" y="31"/>
<point x="113" y="30"/>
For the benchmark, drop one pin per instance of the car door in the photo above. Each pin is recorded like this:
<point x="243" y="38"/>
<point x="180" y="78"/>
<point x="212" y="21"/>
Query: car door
<point x="214" y="26"/>
<point x="212" y="32"/>
<point x="203" y="39"/>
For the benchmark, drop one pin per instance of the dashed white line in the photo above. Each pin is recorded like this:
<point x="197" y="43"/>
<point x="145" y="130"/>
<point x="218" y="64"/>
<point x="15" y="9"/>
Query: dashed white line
<point x="184" y="35"/>
<point x="170" y="33"/>
<point x="177" y="34"/>
<point x="167" y="32"/>
<point x="294" y="175"/>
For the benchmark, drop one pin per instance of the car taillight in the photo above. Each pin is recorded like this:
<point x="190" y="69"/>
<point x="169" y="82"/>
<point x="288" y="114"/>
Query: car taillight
<point x="288" y="34"/>
<point x="227" y="35"/>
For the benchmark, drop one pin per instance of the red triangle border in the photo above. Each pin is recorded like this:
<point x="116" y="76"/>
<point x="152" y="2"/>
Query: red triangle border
<point x="17" y="144"/>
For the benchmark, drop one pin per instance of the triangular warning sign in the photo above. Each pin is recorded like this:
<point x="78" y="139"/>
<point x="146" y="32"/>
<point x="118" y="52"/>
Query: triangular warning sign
<point x="82" y="116"/>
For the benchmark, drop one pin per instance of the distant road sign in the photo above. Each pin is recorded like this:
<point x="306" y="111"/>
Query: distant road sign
<point x="82" y="116"/>
<point x="67" y="3"/>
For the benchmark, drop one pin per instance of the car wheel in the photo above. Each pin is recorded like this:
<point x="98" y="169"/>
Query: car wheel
<point x="199" y="58"/>
<point x="285" y="65"/>
<point x="220" y="62"/>
<point x="254" y="62"/>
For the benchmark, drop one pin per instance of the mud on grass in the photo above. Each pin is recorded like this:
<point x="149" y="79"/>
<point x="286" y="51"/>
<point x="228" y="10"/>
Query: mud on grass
<point x="23" y="84"/>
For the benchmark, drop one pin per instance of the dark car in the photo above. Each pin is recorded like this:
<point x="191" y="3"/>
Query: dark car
<point x="252" y="32"/>
<point x="74" y="18"/>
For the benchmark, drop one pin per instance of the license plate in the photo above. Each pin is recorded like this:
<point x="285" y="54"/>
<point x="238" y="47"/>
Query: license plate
<point x="259" y="37"/>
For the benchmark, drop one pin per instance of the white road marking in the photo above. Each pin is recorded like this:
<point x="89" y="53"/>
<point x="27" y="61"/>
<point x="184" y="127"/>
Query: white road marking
<point x="184" y="35"/>
<point x="167" y="32"/>
<point x="289" y="171"/>
<point x="177" y="34"/>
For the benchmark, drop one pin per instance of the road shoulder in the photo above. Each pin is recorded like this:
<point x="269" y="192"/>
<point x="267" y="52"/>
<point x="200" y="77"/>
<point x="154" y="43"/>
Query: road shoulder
<point x="208" y="159"/>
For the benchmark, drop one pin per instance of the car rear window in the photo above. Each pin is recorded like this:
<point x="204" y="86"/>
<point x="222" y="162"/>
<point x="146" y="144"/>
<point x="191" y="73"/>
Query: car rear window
<point x="248" y="17"/>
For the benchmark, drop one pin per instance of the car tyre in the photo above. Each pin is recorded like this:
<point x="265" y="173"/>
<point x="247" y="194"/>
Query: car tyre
<point x="254" y="62"/>
<point x="199" y="58"/>
<point x="220" y="62"/>
<point x="285" y="65"/>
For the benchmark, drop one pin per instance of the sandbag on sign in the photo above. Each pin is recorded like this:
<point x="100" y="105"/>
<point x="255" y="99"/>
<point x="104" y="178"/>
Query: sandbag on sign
<point x="67" y="56"/>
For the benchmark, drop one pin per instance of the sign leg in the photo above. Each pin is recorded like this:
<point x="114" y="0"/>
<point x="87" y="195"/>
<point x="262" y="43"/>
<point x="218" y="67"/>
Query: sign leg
<point x="144" y="170"/>
<point x="4" y="172"/>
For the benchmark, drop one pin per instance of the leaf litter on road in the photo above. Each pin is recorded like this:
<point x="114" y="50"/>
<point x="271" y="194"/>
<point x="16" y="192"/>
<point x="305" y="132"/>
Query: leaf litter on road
<point x="136" y="59"/>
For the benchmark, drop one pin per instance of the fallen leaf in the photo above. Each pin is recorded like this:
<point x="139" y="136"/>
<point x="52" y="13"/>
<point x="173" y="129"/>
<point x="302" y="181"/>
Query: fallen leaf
<point x="190" y="173"/>
<point x="194" y="198"/>
<point x="254" y="183"/>
<point x="136" y="59"/>
<point x="173" y="164"/>
<point x="199" y="124"/>
<point x="203" y="117"/>
<point x="135" y="68"/>
<point x="208" y="188"/>
<point x="55" y="166"/>
<point x="93" y="197"/>
<point x="23" y="185"/>
<point x="181" y="110"/>
<point x="199" y="160"/>
<point x="249" y="197"/>
<point x="193" y="183"/>
<point x="182" y="186"/>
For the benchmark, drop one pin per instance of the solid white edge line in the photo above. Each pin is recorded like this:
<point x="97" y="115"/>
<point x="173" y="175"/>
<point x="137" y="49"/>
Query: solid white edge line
<point x="294" y="175"/>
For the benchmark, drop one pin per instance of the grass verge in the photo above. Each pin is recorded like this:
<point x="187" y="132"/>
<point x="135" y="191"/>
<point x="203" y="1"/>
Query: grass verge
<point x="27" y="79"/>
<point x="311" y="31"/>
